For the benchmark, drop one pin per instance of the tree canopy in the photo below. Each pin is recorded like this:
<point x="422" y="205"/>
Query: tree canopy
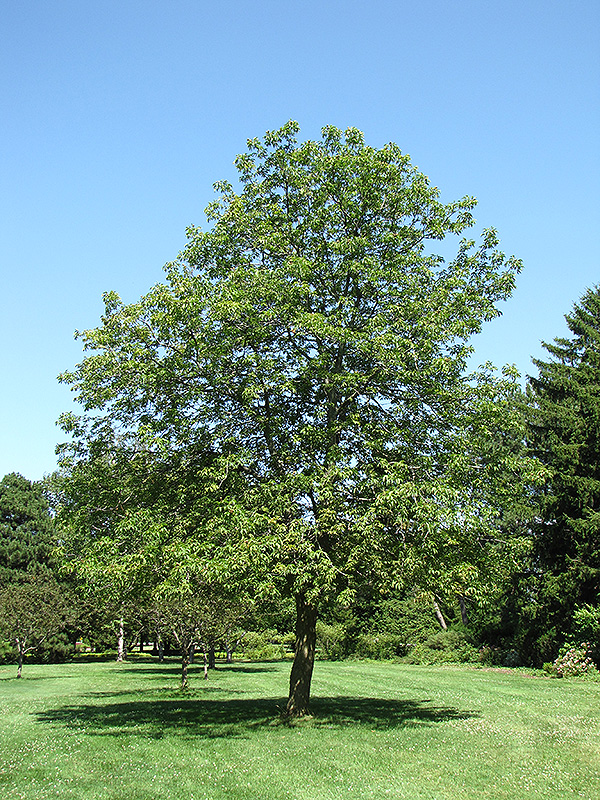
<point x="306" y="360"/>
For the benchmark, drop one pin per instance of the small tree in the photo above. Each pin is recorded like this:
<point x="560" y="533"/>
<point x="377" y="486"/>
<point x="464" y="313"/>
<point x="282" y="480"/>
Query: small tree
<point x="118" y="570"/>
<point x="30" y="612"/>
<point x="202" y="592"/>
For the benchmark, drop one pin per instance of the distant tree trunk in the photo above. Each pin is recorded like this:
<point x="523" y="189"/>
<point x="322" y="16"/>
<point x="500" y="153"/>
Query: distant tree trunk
<point x="20" y="657"/>
<point x="121" y="651"/>
<point x="185" y="662"/>
<point x="231" y="645"/>
<point x="205" y="663"/>
<point x="304" y="658"/>
<point x="161" y="650"/>
<point x="464" y="615"/>
<point x="439" y="615"/>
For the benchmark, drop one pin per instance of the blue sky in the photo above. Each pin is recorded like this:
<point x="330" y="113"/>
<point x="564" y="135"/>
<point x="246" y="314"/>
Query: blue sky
<point x="117" y="118"/>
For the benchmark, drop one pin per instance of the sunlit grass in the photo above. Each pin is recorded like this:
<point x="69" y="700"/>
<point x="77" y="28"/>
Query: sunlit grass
<point x="378" y="730"/>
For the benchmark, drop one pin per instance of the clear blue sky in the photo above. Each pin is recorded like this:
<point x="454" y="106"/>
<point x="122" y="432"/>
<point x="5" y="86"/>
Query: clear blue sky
<point x="117" y="117"/>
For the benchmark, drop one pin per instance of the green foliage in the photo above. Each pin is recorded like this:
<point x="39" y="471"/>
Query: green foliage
<point x="586" y="628"/>
<point x="491" y="655"/>
<point x="30" y="597"/>
<point x="564" y="433"/>
<point x="267" y="645"/>
<point x="407" y="617"/>
<point x="56" y="649"/>
<point x="7" y="652"/>
<point x="26" y="529"/>
<point x="31" y="613"/>
<point x="399" y="627"/>
<point x="332" y="640"/>
<point x="380" y="646"/>
<point x="444" y="647"/>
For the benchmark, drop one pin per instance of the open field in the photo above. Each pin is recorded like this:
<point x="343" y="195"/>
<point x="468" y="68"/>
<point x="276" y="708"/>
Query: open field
<point x="379" y="730"/>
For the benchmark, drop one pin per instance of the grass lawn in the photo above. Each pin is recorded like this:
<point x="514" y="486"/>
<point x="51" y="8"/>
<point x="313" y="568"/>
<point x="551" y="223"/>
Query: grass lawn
<point x="379" y="730"/>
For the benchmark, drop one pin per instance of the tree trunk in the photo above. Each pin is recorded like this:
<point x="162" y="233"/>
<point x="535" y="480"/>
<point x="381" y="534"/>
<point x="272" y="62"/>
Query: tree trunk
<point x="205" y="664"/>
<point x="228" y="654"/>
<point x="185" y="662"/>
<point x="20" y="660"/>
<point x="439" y="615"/>
<point x="304" y="658"/>
<point x="121" y="641"/>
<point x="161" y="650"/>
<point x="212" y="658"/>
<point x="463" y="609"/>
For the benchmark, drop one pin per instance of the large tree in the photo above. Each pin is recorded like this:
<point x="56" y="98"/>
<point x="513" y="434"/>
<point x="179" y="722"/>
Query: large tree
<point x="565" y="436"/>
<point x="314" y="340"/>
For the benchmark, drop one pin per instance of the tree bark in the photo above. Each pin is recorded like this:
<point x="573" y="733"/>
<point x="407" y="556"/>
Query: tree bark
<point x="185" y="662"/>
<point x="439" y="615"/>
<point x="464" y="615"/>
<point x="20" y="660"/>
<point x="121" y="641"/>
<point x="212" y="658"/>
<point x="304" y="658"/>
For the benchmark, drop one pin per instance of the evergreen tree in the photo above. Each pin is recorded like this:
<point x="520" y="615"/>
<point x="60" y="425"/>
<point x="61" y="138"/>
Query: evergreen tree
<point x="565" y="436"/>
<point x="26" y="529"/>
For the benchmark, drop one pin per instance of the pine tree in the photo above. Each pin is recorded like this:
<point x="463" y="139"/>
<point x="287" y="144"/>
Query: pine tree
<point x="565" y="436"/>
<point x="26" y="529"/>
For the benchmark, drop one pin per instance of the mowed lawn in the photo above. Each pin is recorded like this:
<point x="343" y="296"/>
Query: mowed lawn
<point x="378" y="730"/>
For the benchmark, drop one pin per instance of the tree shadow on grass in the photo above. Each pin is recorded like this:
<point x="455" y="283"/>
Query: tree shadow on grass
<point x="212" y="718"/>
<point x="164" y="693"/>
<point x="197" y="668"/>
<point x="27" y="678"/>
<point x="245" y="667"/>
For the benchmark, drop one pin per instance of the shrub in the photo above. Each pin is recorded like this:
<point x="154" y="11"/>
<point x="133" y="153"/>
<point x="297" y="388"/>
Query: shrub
<point x="8" y="654"/>
<point x="586" y="628"/>
<point x="54" y="650"/>
<point x="379" y="646"/>
<point x="444" y="647"/>
<point x="573" y="661"/>
<point x="268" y="645"/>
<point x="332" y="640"/>
<point x="499" y="656"/>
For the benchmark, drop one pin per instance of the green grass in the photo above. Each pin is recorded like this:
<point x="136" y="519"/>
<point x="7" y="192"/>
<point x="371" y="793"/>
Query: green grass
<point x="379" y="730"/>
